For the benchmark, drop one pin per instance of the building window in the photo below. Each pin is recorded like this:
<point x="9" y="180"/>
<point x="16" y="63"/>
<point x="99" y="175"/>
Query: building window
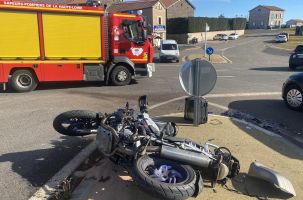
<point x="259" y="9"/>
<point x="262" y="23"/>
<point x="160" y="20"/>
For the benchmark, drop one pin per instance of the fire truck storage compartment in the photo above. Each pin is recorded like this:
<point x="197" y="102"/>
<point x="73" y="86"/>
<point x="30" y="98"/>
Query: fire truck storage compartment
<point x="71" y="36"/>
<point x="65" y="36"/>
<point x="19" y="36"/>
<point x="94" y="72"/>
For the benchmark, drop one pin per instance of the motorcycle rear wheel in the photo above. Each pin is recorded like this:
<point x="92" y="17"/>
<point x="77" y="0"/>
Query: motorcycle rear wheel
<point x="183" y="188"/>
<point x="75" y="123"/>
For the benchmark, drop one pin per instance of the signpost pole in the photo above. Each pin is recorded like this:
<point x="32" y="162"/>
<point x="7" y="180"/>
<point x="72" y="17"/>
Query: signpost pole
<point x="196" y="91"/>
<point x="205" y="43"/>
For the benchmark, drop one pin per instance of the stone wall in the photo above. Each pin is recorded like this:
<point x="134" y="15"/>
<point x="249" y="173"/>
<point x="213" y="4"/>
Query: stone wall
<point x="180" y="9"/>
<point x="187" y="37"/>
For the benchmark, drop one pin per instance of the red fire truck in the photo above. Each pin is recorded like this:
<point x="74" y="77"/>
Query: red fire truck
<point x="46" y="42"/>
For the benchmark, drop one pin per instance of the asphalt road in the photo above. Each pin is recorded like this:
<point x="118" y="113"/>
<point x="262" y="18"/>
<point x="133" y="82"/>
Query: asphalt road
<point x="31" y="152"/>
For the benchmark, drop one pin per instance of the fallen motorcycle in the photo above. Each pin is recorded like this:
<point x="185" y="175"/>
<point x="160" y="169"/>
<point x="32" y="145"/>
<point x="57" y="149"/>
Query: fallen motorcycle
<point x="160" y="163"/>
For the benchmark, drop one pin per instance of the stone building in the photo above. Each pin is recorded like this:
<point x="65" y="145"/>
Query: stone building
<point x="263" y="17"/>
<point x="178" y="8"/>
<point x="294" y="23"/>
<point x="153" y="10"/>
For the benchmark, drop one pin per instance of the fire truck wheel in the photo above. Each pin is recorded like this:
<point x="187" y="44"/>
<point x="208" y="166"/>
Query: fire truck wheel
<point x="23" y="81"/>
<point x="121" y="76"/>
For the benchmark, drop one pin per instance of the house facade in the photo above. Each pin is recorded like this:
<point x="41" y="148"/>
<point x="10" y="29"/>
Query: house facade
<point x="294" y="23"/>
<point x="263" y="17"/>
<point x="179" y="8"/>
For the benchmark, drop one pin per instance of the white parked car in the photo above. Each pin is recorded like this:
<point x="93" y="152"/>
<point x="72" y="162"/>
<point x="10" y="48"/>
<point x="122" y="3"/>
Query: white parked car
<point x="233" y="36"/>
<point x="281" y="38"/>
<point x="221" y="37"/>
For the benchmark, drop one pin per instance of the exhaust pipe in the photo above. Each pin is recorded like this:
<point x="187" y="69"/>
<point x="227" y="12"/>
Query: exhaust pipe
<point x="187" y="157"/>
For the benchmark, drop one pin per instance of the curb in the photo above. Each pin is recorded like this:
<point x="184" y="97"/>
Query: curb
<point x="47" y="190"/>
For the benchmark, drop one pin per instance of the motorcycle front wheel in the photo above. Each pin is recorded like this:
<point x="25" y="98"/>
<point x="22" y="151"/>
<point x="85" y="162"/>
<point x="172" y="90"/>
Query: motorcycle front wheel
<point x="76" y="123"/>
<point x="165" y="178"/>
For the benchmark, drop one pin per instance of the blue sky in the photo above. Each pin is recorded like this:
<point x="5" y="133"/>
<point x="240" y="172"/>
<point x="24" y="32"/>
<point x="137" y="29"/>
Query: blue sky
<point x="231" y="8"/>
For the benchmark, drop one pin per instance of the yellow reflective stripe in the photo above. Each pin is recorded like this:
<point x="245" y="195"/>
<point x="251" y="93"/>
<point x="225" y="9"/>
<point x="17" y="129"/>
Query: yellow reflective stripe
<point x="51" y="61"/>
<point x="124" y="15"/>
<point x="139" y="59"/>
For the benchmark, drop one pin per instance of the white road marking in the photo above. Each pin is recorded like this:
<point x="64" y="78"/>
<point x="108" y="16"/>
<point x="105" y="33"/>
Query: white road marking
<point x="50" y="187"/>
<point x="226" y="76"/>
<point x="240" y="44"/>
<point x="227" y="59"/>
<point x="218" y="106"/>
<point x="220" y="96"/>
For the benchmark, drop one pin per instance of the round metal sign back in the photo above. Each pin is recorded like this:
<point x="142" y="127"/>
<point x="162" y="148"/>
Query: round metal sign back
<point x="198" y="77"/>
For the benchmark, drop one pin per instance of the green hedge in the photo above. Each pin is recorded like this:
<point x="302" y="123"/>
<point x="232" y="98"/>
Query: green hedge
<point x="197" y="24"/>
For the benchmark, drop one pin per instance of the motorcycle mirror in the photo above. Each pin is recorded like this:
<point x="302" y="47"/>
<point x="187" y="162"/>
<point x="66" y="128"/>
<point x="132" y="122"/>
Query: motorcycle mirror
<point x="143" y="103"/>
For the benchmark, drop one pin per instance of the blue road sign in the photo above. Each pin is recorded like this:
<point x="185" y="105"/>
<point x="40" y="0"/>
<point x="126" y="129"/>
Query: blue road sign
<point x="210" y="51"/>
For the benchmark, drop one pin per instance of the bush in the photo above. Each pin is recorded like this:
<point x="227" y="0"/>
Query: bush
<point x="197" y="24"/>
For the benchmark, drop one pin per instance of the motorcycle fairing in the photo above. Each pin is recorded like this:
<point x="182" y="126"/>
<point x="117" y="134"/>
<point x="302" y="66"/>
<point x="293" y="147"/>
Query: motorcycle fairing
<point x="260" y="171"/>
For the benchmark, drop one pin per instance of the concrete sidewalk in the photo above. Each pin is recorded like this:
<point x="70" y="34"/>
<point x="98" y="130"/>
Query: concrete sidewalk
<point x="107" y="181"/>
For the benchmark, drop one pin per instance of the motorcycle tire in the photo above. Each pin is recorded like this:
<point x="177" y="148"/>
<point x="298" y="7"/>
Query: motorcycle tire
<point x="75" y="123"/>
<point x="183" y="189"/>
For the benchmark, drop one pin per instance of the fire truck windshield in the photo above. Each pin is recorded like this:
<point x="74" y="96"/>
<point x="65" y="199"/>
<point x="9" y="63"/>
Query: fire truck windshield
<point x="134" y="31"/>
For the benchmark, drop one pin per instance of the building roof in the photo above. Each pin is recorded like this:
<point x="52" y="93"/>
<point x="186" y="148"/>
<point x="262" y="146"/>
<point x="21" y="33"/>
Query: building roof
<point x="169" y="3"/>
<point x="132" y="5"/>
<point x="295" y="20"/>
<point x="271" y="8"/>
<point x="142" y="4"/>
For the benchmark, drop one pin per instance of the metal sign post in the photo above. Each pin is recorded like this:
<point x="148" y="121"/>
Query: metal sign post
<point x="209" y="52"/>
<point x="196" y="91"/>
<point x="205" y="43"/>
<point x="197" y="77"/>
